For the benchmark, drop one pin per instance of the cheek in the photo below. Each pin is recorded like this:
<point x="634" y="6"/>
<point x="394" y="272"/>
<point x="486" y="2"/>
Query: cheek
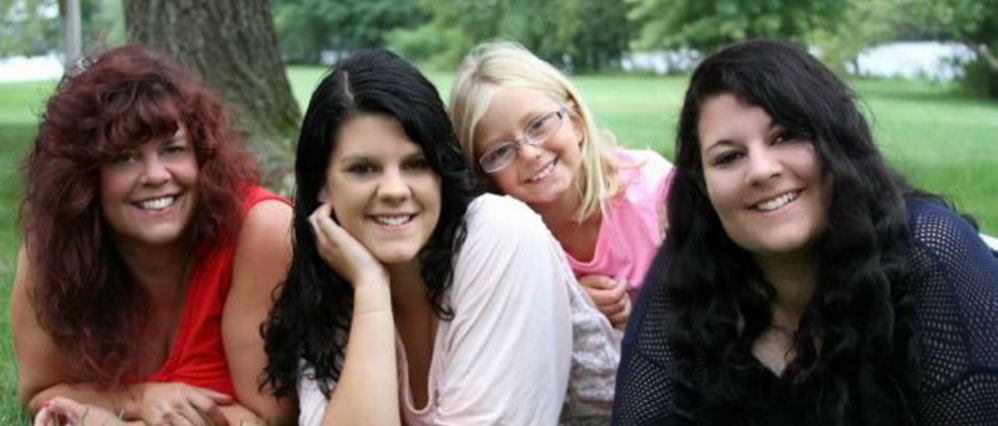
<point x="505" y="180"/>
<point x="114" y="186"/>
<point x="720" y="192"/>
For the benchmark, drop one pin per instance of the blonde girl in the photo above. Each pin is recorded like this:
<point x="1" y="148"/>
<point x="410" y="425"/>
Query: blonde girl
<point x="527" y="133"/>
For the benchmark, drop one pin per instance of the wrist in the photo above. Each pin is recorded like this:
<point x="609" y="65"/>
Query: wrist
<point x="371" y="296"/>
<point x="132" y="408"/>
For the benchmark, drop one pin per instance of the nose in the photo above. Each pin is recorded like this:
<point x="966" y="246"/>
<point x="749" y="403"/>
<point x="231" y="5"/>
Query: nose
<point x="154" y="171"/>
<point x="763" y="166"/>
<point x="528" y="151"/>
<point x="393" y="186"/>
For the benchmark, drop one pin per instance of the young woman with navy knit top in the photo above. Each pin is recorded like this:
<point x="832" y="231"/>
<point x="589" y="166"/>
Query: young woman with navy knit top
<point x="803" y="281"/>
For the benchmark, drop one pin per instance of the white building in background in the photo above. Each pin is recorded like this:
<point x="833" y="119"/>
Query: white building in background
<point x="932" y="60"/>
<point x="20" y="68"/>
<point x="923" y="59"/>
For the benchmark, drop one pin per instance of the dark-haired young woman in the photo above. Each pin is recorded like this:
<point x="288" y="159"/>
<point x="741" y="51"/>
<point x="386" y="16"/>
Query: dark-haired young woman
<point x="412" y="298"/>
<point x="149" y="257"/>
<point x="803" y="281"/>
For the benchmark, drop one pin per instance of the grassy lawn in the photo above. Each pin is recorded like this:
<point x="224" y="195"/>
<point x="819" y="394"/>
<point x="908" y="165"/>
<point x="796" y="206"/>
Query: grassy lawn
<point x="943" y="142"/>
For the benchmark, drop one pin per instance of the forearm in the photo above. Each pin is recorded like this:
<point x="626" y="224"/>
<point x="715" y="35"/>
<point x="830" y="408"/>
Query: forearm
<point x="367" y="390"/>
<point x="121" y="400"/>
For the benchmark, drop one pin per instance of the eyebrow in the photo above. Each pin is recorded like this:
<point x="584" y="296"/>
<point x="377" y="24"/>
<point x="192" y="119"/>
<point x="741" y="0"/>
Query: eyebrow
<point x="772" y="127"/>
<point x="179" y="136"/>
<point x="719" y="144"/>
<point x="362" y="156"/>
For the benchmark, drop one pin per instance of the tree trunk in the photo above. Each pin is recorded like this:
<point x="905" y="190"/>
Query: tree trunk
<point x="232" y="44"/>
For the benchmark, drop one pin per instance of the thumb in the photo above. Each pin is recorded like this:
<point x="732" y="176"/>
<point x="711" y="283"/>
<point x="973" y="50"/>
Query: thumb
<point x="217" y="397"/>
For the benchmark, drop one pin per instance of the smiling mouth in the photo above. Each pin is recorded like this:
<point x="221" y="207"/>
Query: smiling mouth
<point x="775" y="203"/>
<point x="155" y="204"/>
<point x="393" y="220"/>
<point x="545" y="172"/>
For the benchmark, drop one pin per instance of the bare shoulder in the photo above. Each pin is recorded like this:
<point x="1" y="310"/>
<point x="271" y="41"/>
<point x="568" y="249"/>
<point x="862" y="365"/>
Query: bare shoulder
<point x="266" y="219"/>
<point x="20" y="301"/>
<point x="264" y="246"/>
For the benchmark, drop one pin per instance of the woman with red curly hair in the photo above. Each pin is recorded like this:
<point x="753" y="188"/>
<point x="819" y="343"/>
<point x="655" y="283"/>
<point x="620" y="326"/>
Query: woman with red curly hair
<point x="150" y="255"/>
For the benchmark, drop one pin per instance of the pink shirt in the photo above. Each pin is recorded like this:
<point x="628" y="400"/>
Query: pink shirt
<point x="630" y="234"/>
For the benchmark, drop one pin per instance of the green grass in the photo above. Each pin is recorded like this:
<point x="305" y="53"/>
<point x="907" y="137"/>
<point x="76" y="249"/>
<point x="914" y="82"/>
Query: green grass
<point x="943" y="142"/>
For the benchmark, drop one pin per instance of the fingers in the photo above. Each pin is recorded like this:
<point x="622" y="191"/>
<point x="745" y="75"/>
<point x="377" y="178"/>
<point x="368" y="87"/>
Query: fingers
<point x="610" y="297"/>
<point x="46" y="417"/>
<point x="321" y="237"/>
<point x="207" y="404"/>
<point x="217" y="397"/>
<point x="59" y="411"/>
<point x="619" y="319"/>
<point x="178" y="404"/>
<point x="596" y="281"/>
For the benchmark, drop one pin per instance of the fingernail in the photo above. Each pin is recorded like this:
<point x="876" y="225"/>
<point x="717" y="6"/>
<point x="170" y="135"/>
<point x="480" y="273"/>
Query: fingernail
<point x="45" y="403"/>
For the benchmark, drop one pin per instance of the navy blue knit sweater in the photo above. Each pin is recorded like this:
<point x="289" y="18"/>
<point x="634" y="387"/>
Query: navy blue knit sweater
<point x="954" y="281"/>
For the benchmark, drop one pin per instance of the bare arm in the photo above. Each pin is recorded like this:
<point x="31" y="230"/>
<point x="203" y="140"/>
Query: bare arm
<point x="367" y="390"/>
<point x="261" y="263"/>
<point x="42" y="375"/>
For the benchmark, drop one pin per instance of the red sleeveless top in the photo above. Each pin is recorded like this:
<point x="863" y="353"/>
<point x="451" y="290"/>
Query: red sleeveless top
<point x="197" y="357"/>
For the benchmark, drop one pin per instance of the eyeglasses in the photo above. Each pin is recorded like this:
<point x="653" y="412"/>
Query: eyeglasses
<point x="502" y="154"/>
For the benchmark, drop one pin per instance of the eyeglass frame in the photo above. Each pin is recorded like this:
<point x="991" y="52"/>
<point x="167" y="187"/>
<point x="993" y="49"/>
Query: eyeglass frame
<point x="517" y="143"/>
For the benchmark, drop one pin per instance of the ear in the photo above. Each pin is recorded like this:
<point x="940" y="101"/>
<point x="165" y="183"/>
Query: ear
<point x="323" y="195"/>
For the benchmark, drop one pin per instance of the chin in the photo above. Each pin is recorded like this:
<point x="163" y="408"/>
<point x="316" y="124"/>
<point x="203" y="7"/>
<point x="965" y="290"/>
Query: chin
<point x="395" y="255"/>
<point x="782" y="246"/>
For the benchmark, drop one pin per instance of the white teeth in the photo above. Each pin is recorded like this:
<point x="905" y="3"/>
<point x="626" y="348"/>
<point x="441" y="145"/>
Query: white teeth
<point x="393" y="220"/>
<point x="157" y="203"/>
<point x="777" y="202"/>
<point x="543" y="173"/>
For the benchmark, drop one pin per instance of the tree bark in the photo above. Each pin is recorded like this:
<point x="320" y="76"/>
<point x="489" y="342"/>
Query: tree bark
<point x="232" y="44"/>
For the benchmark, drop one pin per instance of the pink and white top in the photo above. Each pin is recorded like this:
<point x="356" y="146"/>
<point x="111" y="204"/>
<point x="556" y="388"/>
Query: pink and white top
<point x="630" y="232"/>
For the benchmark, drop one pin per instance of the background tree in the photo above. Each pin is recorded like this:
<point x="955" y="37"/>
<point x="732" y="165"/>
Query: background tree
<point x="29" y="27"/>
<point x="32" y="27"/>
<point x="971" y="22"/>
<point x="306" y="28"/>
<point x="581" y="35"/>
<point x="233" y="46"/>
<point x="706" y="25"/>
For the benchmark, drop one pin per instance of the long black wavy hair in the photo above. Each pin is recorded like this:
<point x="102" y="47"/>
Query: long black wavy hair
<point x="311" y="316"/>
<point x="854" y="340"/>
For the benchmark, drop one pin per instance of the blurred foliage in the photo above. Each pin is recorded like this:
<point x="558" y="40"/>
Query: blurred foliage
<point x="307" y="28"/>
<point x="580" y="35"/>
<point x="971" y="22"/>
<point x="706" y="25"/>
<point x="577" y="35"/>
<point x="33" y="27"/>
<point x="29" y="27"/>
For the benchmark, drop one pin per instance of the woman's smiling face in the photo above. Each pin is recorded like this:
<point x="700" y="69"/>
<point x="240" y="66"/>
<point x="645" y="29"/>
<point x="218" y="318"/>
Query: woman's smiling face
<point x="148" y="194"/>
<point x="382" y="190"/>
<point x="766" y="185"/>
